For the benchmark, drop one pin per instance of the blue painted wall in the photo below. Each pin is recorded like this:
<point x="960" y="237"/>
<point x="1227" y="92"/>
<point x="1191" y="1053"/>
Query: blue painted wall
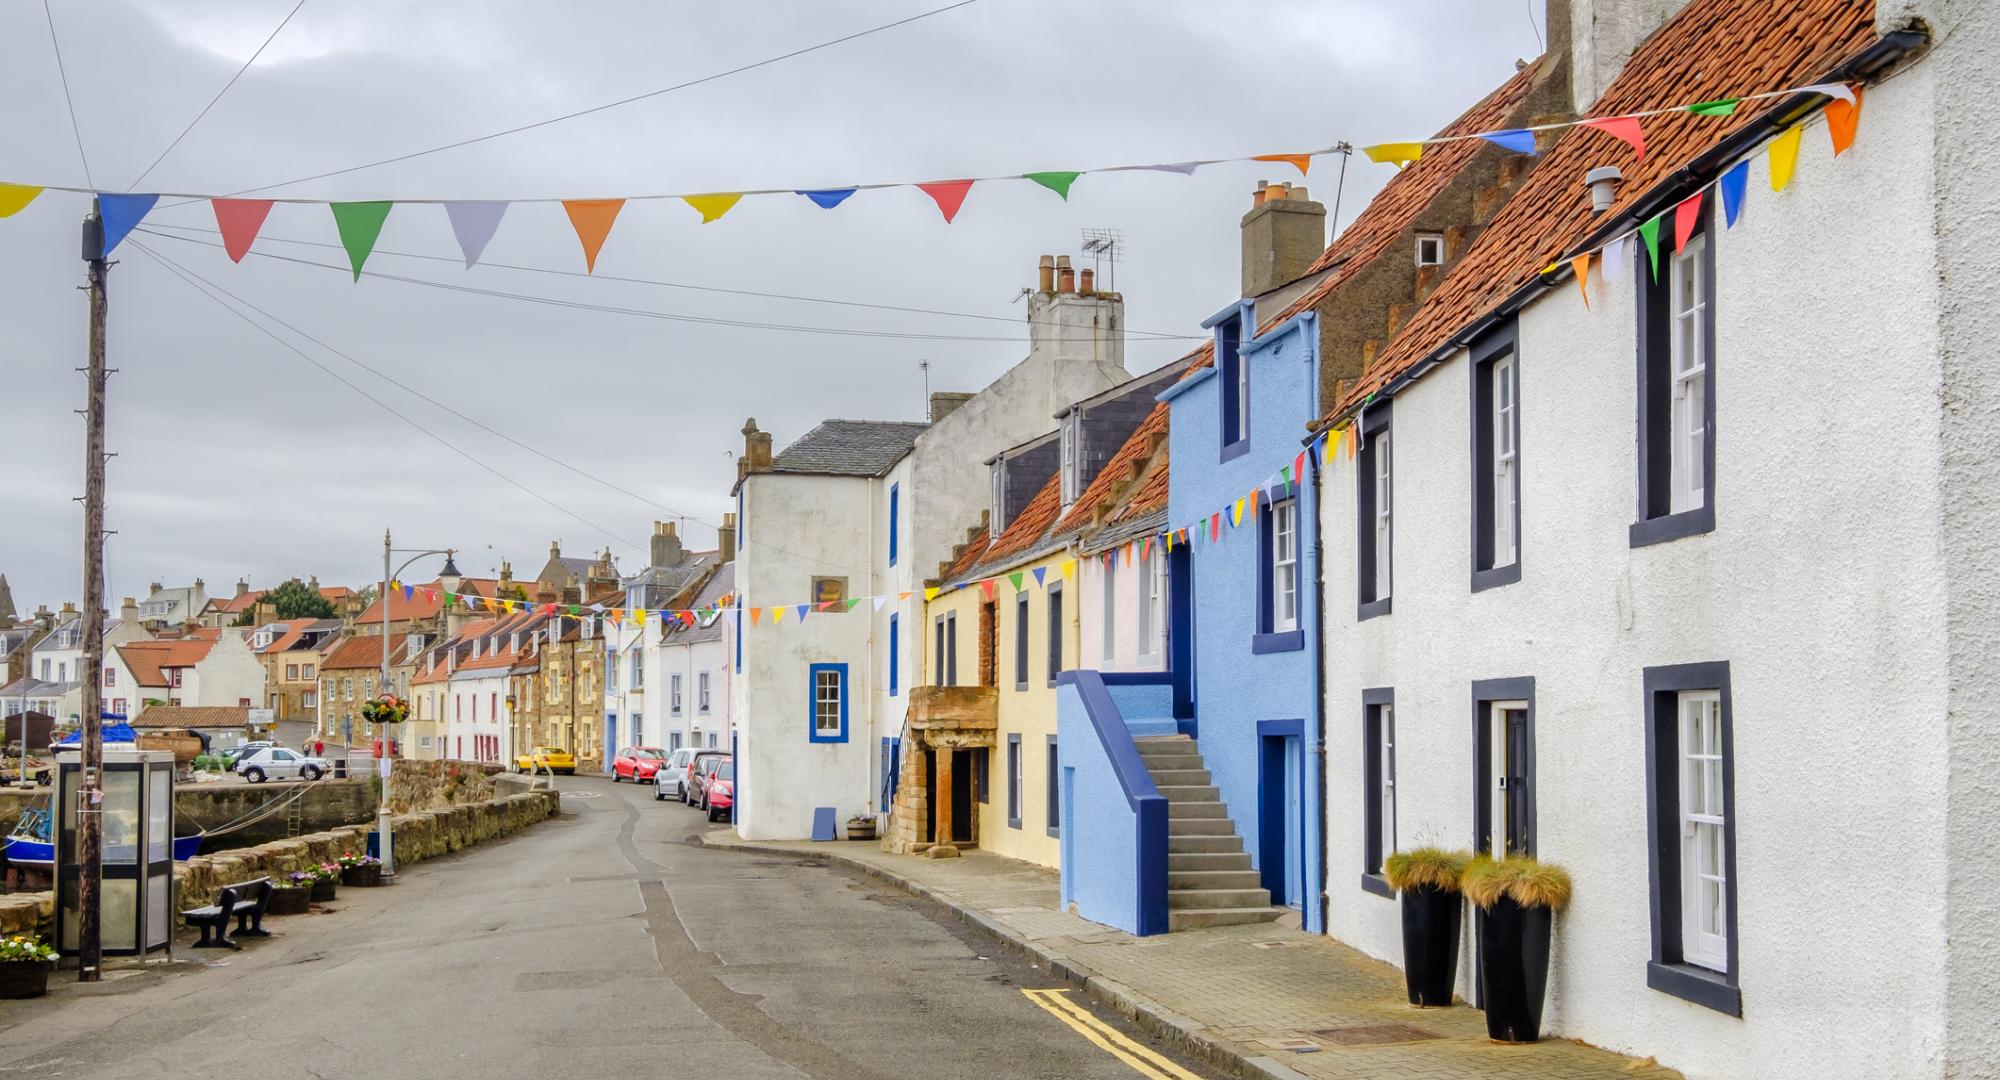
<point x="1114" y="819"/>
<point x="1235" y="686"/>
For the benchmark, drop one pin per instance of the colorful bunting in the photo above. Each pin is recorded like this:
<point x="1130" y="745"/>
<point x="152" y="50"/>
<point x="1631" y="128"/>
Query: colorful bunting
<point x="756" y="613"/>
<point x="1398" y="154"/>
<point x="713" y="206"/>
<point x="592" y="220"/>
<point x="473" y="224"/>
<point x="1069" y="568"/>
<point x="948" y="194"/>
<point x="1622" y="127"/>
<point x="1649" y="231"/>
<point x="1732" y="185"/>
<point x="1719" y="107"/>
<point x="1838" y="91"/>
<point x="1185" y="168"/>
<point x="121" y="214"/>
<point x="1057" y="182"/>
<point x="777" y="615"/>
<point x="1842" y="117"/>
<point x="1612" y="261"/>
<point x="851" y="604"/>
<point x="986" y="587"/>
<point x="1581" y="267"/>
<point x="1784" y="155"/>
<point x="360" y="225"/>
<point x="800" y="610"/>
<point x="930" y="593"/>
<point x="1015" y="579"/>
<point x="828" y="198"/>
<point x="1040" y="571"/>
<point x="1687" y="216"/>
<point x="15" y="197"/>
<point x="1515" y="139"/>
<point x="1301" y="162"/>
<point x="238" y="220"/>
<point x="879" y="601"/>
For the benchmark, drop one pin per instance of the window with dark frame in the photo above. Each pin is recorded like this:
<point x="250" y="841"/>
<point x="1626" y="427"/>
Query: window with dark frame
<point x="1021" y="640"/>
<point x="1691" y="830"/>
<point x="951" y="648"/>
<point x="1677" y="392"/>
<point x="1378" y="811"/>
<point x="1052" y="797"/>
<point x="1496" y="460"/>
<point x="895" y="650"/>
<point x="1013" y="781"/>
<point x="829" y="703"/>
<point x="1503" y="762"/>
<point x="1235" y="397"/>
<point x="1277" y="627"/>
<point x="1375" y="503"/>
<point x="895" y="516"/>
<point x="1055" y="631"/>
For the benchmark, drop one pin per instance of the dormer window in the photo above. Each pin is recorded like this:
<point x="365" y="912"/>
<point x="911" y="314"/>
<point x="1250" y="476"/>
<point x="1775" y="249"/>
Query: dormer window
<point x="1069" y="455"/>
<point x="1430" y="249"/>
<point x="262" y="640"/>
<point x="475" y="648"/>
<point x="999" y="516"/>
<point x="514" y="642"/>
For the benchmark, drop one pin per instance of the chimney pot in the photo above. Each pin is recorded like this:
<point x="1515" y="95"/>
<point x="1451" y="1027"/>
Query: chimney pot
<point x="725" y="538"/>
<point x="1087" y="283"/>
<point x="1066" y="281"/>
<point x="1045" y="274"/>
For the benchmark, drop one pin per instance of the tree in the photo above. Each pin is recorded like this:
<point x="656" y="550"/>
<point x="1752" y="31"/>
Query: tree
<point x="297" y="600"/>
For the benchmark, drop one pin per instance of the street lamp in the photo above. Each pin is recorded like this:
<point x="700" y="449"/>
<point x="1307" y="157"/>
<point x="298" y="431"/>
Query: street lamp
<point x="386" y="848"/>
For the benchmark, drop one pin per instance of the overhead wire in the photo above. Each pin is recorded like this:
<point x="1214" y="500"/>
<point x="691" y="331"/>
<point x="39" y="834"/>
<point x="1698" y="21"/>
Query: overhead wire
<point x="75" y="129"/>
<point x="275" y="31"/>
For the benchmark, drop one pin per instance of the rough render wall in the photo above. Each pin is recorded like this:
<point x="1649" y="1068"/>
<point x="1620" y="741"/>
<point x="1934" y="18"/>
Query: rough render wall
<point x="1605" y="33"/>
<point x="1125" y="653"/>
<point x="1823" y="587"/>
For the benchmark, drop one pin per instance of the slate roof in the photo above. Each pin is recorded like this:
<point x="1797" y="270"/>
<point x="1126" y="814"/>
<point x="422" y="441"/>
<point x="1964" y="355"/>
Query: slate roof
<point x="850" y="447"/>
<point x="664" y="584"/>
<point x="1711" y="49"/>
<point x="720" y="585"/>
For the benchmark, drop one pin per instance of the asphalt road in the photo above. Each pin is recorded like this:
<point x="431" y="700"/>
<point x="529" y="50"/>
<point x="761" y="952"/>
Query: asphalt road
<point x="602" y="941"/>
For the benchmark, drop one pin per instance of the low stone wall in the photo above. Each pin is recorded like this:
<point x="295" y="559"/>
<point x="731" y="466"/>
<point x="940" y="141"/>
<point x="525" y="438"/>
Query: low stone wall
<point x="425" y="834"/>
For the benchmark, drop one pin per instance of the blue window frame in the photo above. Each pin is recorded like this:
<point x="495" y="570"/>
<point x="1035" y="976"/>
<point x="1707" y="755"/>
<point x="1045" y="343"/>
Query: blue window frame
<point x="895" y="505"/>
<point x="1234" y="375"/>
<point x="895" y="655"/>
<point x="826" y="703"/>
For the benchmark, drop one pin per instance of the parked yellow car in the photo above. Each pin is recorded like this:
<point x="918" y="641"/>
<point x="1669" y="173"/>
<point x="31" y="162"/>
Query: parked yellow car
<point x="547" y="759"/>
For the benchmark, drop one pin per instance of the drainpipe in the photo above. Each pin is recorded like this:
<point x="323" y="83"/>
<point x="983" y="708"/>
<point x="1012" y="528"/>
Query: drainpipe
<point x="1318" y="749"/>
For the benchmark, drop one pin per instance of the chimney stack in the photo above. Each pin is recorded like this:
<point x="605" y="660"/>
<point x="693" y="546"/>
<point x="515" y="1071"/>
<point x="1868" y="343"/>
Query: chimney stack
<point x="945" y="402"/>
<point x="242" y="586"/>
<point x="725" y="538"/>
<point x="666" y="544"/>
<point x="129" y="611"/>
<point x="756" y="450"/>
<point x="1283" y="234"/>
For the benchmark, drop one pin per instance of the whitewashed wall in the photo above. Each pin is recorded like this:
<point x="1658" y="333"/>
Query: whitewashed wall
<point x="1126" y="653"/>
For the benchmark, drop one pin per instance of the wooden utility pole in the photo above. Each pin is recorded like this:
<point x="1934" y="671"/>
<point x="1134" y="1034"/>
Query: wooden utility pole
<point x="89" y="818"/>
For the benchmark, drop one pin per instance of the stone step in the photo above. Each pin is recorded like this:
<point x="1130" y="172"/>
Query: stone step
<point x="1166" y="778"/>
<point x="1187" y="826"/>
<point x="1178" y="861"/>
<point x="1199" y="918"/>
<point x="1189" y="792"/>
<point x="1173" y="763"/>
<point x="1212" y="808"/>
<point x="1217" y="899"/>
<point x="1205" y="879"/>
<point x="1152" y="745"/>
<point x="1198" y="844"/>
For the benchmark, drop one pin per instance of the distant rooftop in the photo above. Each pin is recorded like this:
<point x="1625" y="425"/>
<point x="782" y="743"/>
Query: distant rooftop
<point x="850" y="447"/>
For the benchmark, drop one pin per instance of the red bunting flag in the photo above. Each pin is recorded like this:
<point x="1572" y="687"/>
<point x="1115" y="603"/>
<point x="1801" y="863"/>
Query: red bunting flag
<point x="239" y="220"/>
<point x="1624" y="127"/>
<point x="1299" y="468"/>
<point x="1215" y="526"/>
<point x="1687" y="215"/>
<point x="948" y="194"/>
<point x="987" y="588"/>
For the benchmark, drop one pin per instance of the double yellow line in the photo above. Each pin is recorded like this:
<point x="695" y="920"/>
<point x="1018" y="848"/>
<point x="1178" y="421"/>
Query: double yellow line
<point x="1107" y="1038"/>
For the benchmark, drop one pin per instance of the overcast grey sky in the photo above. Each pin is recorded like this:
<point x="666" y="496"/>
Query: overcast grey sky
<point x="237" y="458"/>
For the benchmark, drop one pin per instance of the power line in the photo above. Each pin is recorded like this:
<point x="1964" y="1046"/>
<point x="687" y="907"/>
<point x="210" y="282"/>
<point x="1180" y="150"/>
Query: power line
<point x="218" y="95"/>
<point x="475" y="422"/>
<point x="609" y="104"/>
<point x="198" y="283"/>
<point x="612" y="309"/>
<point x="73" y="127"/>
<point x="656" y="282"/>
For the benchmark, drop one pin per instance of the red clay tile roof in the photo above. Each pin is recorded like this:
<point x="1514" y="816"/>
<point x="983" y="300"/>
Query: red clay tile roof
<point x="149" y="660"/>
<point x="192" y="716"/>
<point x="364" y="651"/>
<point x="419" y="606"/>
<point x="1711" y="49"/>
<point x="969" y="558"/>
<point x="1028" y="526"/>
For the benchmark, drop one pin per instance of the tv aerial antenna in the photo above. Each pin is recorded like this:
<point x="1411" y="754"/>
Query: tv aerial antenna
<point x="1105" y="247"/>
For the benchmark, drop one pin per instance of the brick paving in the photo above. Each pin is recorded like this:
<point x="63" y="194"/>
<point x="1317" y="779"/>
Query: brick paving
<point x="1227" y="991"/>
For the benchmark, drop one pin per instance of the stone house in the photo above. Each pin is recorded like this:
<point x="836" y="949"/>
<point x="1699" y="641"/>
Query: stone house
<point x="291" y="654"/>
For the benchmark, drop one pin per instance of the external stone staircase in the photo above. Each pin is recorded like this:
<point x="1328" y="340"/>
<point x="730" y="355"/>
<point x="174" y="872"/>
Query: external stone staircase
<point x="1209" y="878"/>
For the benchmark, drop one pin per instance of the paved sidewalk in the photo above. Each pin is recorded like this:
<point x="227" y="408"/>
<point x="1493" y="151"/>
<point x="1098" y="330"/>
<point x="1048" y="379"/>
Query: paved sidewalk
<point x="1246" y="997"/>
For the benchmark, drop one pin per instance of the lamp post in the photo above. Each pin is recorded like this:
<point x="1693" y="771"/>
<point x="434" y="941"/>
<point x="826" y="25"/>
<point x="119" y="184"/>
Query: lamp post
<point x="387" y="852"/>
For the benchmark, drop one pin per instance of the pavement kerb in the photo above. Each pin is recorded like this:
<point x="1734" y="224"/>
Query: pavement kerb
<point x="1181" y="1031"/>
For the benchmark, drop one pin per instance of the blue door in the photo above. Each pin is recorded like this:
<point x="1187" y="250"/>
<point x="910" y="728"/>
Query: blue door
<point x="610" y="739"/>
<point x="1281" y="851"/>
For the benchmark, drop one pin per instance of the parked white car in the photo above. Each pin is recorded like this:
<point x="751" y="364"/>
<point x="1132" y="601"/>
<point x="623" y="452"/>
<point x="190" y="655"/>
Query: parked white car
<point x="668" y="780"/>
<point x="278" y="763"/>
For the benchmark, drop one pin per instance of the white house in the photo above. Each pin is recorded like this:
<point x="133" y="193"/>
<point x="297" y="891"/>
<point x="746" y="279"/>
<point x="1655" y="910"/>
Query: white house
<point x="476" y="720"/>
<point x="868" y="511"/>
<point x="692" y="668"/>
<point x="1690" y="590"/>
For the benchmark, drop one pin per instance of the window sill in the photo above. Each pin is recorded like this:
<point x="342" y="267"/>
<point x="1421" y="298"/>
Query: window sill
<point x="1014" y="823"/>
<point x="1709" y="989"/>
<point x="1282" y="641"/>
<point x="1232" y="451"/>
<point x="1659" y="530"/>
<point x="1020" y="687"/>
<point x="1055" y="831"/>
<point x="1483" y="580"/>
<point x="1377" y="884"/>
<point x="1372" y="608"/>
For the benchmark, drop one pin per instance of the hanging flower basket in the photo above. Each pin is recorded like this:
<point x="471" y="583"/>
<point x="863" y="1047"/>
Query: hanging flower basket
<point x="387" y="709"/>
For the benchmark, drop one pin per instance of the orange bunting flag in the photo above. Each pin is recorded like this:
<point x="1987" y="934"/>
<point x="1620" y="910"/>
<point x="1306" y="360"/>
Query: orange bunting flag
<point x="1253" y="500"/>
<point x="902" y="596"/>
<point x="592" y="219"/>
<point x="713" y="206"/>
<point x="1624" y="127"/>
<point x="1841" y="120"/>
<point x="1581" y="264"/>
<point x="987" y="588"/>
<point x="1301" y="162"/>
<point x="948" y="194"/>
<point x="617" y="615"/>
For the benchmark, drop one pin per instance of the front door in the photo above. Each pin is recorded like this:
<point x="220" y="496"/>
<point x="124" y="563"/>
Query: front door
<point x="1281" y="819"/>
<point x="1510" y="791"/>
<point x="610" y="738"/>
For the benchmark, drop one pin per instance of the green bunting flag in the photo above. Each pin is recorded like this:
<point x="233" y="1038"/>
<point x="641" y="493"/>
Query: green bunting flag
<point x="1015" y="579"/>
<point x="1057" y="182"/>
<point x="1650" y="233"/>
<point x="1720" y="107"/>
<point x="360" y="224"/>
<point x="851" y="603"/>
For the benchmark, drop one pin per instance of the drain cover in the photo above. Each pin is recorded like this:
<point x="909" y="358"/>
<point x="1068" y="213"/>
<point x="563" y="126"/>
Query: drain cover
<point x="1372" y="1035"/>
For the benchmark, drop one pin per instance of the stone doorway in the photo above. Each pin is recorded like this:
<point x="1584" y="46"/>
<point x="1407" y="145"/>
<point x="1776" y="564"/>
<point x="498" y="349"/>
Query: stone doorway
<point x="948" y="730"/>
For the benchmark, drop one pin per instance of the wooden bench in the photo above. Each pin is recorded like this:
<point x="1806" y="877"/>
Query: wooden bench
<point x="245" y="901"/>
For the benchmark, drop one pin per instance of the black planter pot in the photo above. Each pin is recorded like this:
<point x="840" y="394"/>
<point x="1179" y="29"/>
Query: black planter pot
<point x="25" y="978"/>
<point x="322" y="890"/>
<point x="1430" y="943"/>
<point x="289" y="901"/>
<point x="361" y="877"/>
<point x="1514" y="969"/>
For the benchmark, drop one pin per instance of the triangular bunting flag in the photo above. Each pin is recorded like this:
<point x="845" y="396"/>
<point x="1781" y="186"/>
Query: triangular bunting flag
<point x="1687" y="215"/>
<point x="1041" y="573"/>
<point x="1057" y="182"/>
<point x="1299" y="468"/>
<point x="1838" y="91"/>
<point x="592" y="220"/>
<point x="828" y="198"/>
<point x="1015" y="579"/>
<point x="121" y="214"/>
<point x="800" y="610"/>
<point x="1784" y="155"/>
<point x="1842" y="116"/>
<point x="473" y="223"/>
<point x="1624" y="127"/>
<point x="407" y="592"/>
<point x="1398" y="154"/>
<point x="14" y="197"/>
<point x="1515" y="139"/>
<point x="1185" y="168"/>
<point x="879" y="601"/>
<point x="827" y="605"/>
<point x="777" y="615"/>
<point x="1215" y="526"/>
<point x="1069" y="568"/>
<point x="1301" y="162"/>
<point x="948" y="194"/>
<point x="1237" y="518"/>
<point x="1612" y="259"/>
<point x="1581" y="267"/>
<point x="1649" y="231"/>
<point x="851" y="604"/>
<point x="756" y="613"/>
<point x="902" y="596"/>
<point x="360" y="225"/>
<point x="930" y="593"/>
<point x="1732" y="185"/>
<point x="1719" y="107"/>
<point x="1146" y="549"/>
<point x="238" y="220"/>
<point x="713" y="206"/>
<point x="986" y="587"/>
<point x="1330" y="444"/>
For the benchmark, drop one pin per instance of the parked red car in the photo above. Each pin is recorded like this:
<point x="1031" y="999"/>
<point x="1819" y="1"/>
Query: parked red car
<point x="718" y="796"/>
<point x="637" y="764"/>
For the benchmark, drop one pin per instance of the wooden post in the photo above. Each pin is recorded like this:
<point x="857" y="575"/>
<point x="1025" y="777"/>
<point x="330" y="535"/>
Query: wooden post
<point x="943" y="836"/>
<point x="90" y="822"/>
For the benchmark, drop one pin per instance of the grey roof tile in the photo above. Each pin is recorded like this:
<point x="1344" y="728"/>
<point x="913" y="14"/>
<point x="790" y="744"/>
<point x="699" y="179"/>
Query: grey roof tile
<point x="850" y="447"/>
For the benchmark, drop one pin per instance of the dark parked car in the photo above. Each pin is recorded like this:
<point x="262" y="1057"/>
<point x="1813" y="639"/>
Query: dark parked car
<point x="696" y="766"/>
<point x="637" y="764"/>
<point x="719" y="794"/>
<point x="705" y="769"/>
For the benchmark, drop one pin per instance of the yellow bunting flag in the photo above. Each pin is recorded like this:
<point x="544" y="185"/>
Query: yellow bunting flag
<point x="1784" y="155"/>
<point x="930" y="592"/>
<point x="777" y="614"/>
<point x="1069" y="568"/>
<point x="592" y="219"/>
<point x="1581" y="264"/>
<point x="1398" y="154"/>
<point x="14" y="197"/>
<point x="712" y="206"/>
<point x="1236" y="517"/>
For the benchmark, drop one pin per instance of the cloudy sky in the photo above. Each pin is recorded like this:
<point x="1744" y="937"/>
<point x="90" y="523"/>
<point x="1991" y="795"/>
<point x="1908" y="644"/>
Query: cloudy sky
<point x="239" y="458"/>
